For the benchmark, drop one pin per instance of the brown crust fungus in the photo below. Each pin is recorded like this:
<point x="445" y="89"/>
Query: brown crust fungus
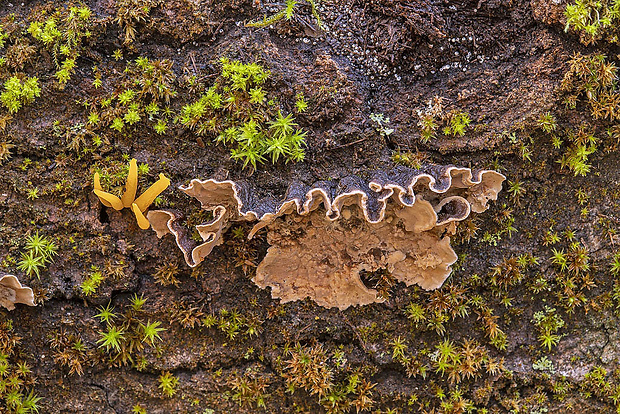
<point x="12" y="292"/>
<point x="322" y="236"/>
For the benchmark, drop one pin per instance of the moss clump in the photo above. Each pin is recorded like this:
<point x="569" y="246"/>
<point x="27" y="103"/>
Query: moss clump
<point x="432" y="117"/>
<point x="236" y="111"/>
<point x="15" y="375"/>
<point x="40" y="251"/>
<point x="130" y="13"/>
<point x="127" y="335"/>
<point x="143" y="98"/>
<point x="591" y="79"/>
<point x="62" y="33"/>
<point x="19" y="91"/>
<point x="594" y="20"/>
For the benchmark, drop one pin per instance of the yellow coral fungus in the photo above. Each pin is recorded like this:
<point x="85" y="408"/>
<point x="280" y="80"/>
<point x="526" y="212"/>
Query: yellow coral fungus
<point x="137" y="205"/>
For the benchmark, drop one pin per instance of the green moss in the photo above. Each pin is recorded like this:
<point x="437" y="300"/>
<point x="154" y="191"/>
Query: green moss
<point x="168" y="384"/>
<point x="234" y="110"/>
<point x="286" y="13"/>
<point x="62" y="32"/>
<point x="40" y="251"/>
<point x="548" y="323"/>
<point x="16" y="376"/>
<point x="92" y="282"/>
<point x="458" y="122"/>
<point x="19" y="91"/>
<point x="594" y="19"/>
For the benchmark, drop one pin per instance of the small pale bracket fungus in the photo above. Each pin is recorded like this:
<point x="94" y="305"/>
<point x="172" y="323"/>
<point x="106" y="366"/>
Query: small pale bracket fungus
<point x="137" y="205"/>
<point x="12" y="292"/>
<point x="322" y="236"/>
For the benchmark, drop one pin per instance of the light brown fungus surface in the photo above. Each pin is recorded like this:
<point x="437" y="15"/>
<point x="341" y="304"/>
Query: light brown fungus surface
<point x="322" y="236"/>
<point x="12" y="292"/>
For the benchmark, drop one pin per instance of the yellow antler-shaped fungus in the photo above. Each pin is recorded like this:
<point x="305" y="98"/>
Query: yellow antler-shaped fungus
<point x="131" y="186"/>
<point x="129" y="200"/>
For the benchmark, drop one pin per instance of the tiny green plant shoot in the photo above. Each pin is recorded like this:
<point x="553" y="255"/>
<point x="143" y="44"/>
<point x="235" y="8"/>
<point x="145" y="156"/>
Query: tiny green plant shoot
<point x="168" y="384"/>
<point x="454" y="123"/>
<point x="409" y="159"/>
<point x="547" y="122"/>
<point x="548" y="322"/>
<point x="287" y="13"/>
<point x="143" y="98"/>
<point x="92" y="281"/>
<point x="40" y="251"/>
<point x="457" y="123"/>
<point x="16" y="376"/>
<point x="127" y="334"/>
<point x="593" y="80"/>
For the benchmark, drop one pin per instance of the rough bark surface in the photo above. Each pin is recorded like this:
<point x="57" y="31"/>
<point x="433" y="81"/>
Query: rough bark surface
<point x="490" y="338"/>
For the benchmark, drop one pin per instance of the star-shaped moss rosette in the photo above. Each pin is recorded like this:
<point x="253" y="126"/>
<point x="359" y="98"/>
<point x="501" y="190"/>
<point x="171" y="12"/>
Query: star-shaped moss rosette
<point x="129" y="200"/>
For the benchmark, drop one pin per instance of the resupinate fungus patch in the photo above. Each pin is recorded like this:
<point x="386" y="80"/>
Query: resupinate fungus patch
<point x="323" y="235"/>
